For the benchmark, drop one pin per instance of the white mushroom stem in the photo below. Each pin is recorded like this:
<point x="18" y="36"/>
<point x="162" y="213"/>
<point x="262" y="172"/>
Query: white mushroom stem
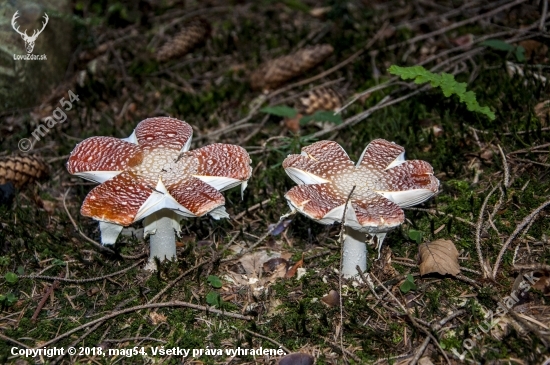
<point x="354" y="253"/>
<point x="161" y="227"/>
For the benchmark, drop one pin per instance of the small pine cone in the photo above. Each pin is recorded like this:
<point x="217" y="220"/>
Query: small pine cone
<point x="320" y="99"/>
<point x="193" y="34"/>
<point x="274" y="73"/>
<point x="21" y="170"/>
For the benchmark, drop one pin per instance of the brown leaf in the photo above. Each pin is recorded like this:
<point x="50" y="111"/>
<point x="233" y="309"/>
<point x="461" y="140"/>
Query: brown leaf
<point x="543" y="283"/>
<point x="332" y="299"/>
<point x="439" y="256"/>
<point x="534" y="50"/>
<point x="292" y="271"/>
<point x="157" y="318"/>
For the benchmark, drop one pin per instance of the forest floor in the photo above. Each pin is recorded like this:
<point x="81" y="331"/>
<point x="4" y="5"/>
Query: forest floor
<point x="239" y="283"/>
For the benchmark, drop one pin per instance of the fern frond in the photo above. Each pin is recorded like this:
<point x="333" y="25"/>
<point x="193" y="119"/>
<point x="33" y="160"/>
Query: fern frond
<point x="446" y="82"/>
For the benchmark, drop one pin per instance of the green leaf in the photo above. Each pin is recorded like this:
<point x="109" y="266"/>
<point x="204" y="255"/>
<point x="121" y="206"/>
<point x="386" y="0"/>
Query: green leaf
<point x="214" y="281"/>
<point x="446" y="82"/>
<point x="58" y="262"/>
<point x="11" y="278"/>
<point x="498" y="45"/>
<point x="280" y="111"/>
<point x="11" y="298"/>
<point x="520" y="54"/>
<point x="322" y="116"/>
<point x="415" y="235"/>
<point x="213" y="298"/>
<point x="408" y="284"/>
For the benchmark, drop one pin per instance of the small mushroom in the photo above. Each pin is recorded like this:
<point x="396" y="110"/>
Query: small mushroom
<point x="384" y="183"/>
<point x="152" y="175"/>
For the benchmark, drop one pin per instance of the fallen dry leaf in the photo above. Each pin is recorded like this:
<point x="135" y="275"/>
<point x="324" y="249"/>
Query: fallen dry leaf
<point x="292" y="271"/>
<point x="157" y="318"/>
<point x="332" y="299"/>
<point x="439" y="256"/>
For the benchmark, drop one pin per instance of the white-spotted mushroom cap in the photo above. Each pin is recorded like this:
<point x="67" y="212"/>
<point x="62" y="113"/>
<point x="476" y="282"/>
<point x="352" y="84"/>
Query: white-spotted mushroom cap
<point x="384" y="183"/>
<point x="153" y="170"/>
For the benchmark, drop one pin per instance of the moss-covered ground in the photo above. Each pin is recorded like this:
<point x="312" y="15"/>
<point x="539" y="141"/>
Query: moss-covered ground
<point x="120" y="84"/>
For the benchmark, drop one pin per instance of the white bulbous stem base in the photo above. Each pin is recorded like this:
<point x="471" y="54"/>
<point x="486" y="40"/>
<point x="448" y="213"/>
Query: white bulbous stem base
<point x="162" y="243"/>
<point x="354" y="253"/>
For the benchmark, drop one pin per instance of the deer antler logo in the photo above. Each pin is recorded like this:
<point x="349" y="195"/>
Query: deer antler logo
<point x="29" y="41"/>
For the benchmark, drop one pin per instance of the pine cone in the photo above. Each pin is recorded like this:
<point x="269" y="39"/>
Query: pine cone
<point x="274" y="73"/>
<point x="193" y="34"/>
<point x="320" y="99"/>
<point x="21" y="170"/>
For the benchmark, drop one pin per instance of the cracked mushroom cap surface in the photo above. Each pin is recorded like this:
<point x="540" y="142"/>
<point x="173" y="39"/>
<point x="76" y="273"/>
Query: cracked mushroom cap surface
<point x="153" y="169"/>
<point x="384" y="183"/>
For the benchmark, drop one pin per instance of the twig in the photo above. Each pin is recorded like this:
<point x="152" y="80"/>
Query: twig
<point x="484" y="267"/>
<point x="79" y="281"/>
<point x="543" y="16"/>
<point x="250" y="209"/>
<point x="420" y="351"/>
<point x="332" y="69"/>
<point x="135" y="339"/>
<point x="433" y="211"/>
<point x="173" y="282"/>
<point x="90" y="330"/>
<point x="456" y="25"/>
<point x="412" y="319"/>
<point x="530" y="161"/>
<point x="49" y="292"/>
<point x="175" y="303"/>
<point x="518" y="229"/>
<point x="269" y="339"/>
<point x="8" y="339"/>
<point x="260" y="240"/>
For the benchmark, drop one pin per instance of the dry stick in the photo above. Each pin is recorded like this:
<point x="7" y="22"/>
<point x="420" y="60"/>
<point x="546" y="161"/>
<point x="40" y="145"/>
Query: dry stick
<point x="135" y="339"/>
<point x="420" y="351"/>
<point x="173" y="282"/>
<point x="526" y="150"/>
<point x="44" y="299"/>
<point x="260" y="240"/>
<point x="341" y="239"/>
<point x="457" y="25"/>
<point x="544" y="13"/>
<point x="90" y="330"/>
<point x="254" y="207"/>
<point x="8" y="339"/>
<point x="411" y="318"/>
<point x="332" y="69"/>
<point x="532" y="162"/>
<point x="518" y="229"/>
<point x="505" y="166"/>
<point x="175" y="303"/>
<point x="436" y="212"/>
<point x="269" y="339"/>
<point x="532" y="267"/>
<point x="94" y="243"/>
<point x="484" y="267"/>
<point x="79" y="281"/>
